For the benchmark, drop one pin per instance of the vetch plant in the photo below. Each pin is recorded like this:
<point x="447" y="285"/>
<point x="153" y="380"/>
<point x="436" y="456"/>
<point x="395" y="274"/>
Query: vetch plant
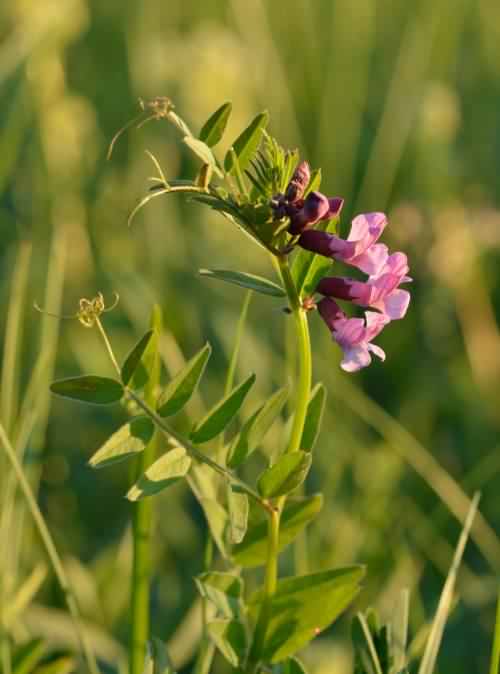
<point x="275" y="200"/>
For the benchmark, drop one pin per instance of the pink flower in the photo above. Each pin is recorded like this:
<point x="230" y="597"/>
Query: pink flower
<point x="359" y="250"/>
<point x="380" y="292"/>
<point x="353" y="335"/>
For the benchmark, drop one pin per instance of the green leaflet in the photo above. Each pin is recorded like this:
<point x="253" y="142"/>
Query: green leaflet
<point x="127" y="441"/>
<point x="315" y="410"/>
<point x="297" y="514"/>
<point x="220" y="416"/>
<point x="303" y="606"/>
<point x="246" y="144"/>
<point x="223" y="590"/>
<point x="203" y="152"/>
<point x="255" y="428"/>
<point x="164" y="472"/>
<point x="289" y="471"/>
<point x="249" y="281"/>
<point x="180" y="389"/>
<point x="213" y="129"/>
<point x="146" y="371"/>
<point x="134" y="358"/>
<point x="230" y="638"/>
<point x="238" y="514"/>
<point x="89" y="389"/>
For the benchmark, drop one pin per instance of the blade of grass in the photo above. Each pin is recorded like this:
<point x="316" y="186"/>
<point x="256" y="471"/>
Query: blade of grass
<point x="422" y="461"/>
<point x="428" y="662"/>
<point x="13" y="334"/>
<point x="50" y="549"/>
<point x="495" y="654"/>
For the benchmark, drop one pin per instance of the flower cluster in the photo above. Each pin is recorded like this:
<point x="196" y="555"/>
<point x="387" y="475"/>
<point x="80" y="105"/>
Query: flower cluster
<point x="304" y="213"/>
<point x="386" y="272"/>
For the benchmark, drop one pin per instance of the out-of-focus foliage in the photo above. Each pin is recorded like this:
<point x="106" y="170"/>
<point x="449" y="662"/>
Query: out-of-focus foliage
<point x="398" y="103"/>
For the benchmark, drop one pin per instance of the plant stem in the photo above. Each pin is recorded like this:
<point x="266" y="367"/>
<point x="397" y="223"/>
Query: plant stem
<point x="300" y="414"/>
<point x="52" y="553"/>
<point x="141" y="568"/>
<point x="141" y="526"/>
<point x="305" y="360"/>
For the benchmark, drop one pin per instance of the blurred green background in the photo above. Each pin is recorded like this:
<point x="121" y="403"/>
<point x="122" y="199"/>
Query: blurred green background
<point x="399" y="104"/>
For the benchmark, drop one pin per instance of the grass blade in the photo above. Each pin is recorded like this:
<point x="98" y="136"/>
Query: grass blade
<point x="13" y="333"/>
<point x="428" y="662"/>
<point x="51" y="550"/>
<point x="495" y="655"/>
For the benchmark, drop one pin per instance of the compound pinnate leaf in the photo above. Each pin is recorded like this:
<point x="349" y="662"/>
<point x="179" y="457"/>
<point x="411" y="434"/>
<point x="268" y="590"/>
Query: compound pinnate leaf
<point x="180" y="389"/>
<point x="89" y="389"/>
<point x="164" y="472"/>
<point x="252" y="551"/>
<point x="127" y="441"/>
<point x="213" y="129"/>
<point x="220" y="416"/>
<point x="245" y="146"/>
<point x="244" y="280"/>
<point x="303" y="606"/>
<point x="134" y="358"/>
<point x="255" y="428"/>
<point x="289" y="471"/>
<point x="314" y="417"/>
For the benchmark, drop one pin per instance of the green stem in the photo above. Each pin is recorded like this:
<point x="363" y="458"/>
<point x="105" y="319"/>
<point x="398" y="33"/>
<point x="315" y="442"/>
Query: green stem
<point x="141" y="526"/>
<point x="300" y="414"/>
<point x="141" y="569"/>
<point x="305" y="360"/>
<point x="270" y="584"/>
<point x="51" y="550"/>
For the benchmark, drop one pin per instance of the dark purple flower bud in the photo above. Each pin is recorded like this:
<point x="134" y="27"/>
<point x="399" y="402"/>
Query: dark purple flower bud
<point x="298" y="183"/>
<point x="342" y="288"/>
<point x="330" y="312"/>
<point x="323" y="243"/>
<point x="316" y="206"/>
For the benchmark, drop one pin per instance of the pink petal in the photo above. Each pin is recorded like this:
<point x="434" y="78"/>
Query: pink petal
<point x="375" y="323"/>
<point x="372" y="260"/>
<point x="380" y="353"/>
<point x="397" y="263"/>
<point x="395" y="304"/>
<point x="349" y="332"/>
<point x="367" y="228"/>
<point x="356" y="358"/>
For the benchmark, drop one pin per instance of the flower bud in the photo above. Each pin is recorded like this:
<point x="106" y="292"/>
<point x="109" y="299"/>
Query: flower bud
<point x="342" y="288"/>
<point x="298" y="183"/>
<point x="316" y="206"/>
<point x="330" y="312"/>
